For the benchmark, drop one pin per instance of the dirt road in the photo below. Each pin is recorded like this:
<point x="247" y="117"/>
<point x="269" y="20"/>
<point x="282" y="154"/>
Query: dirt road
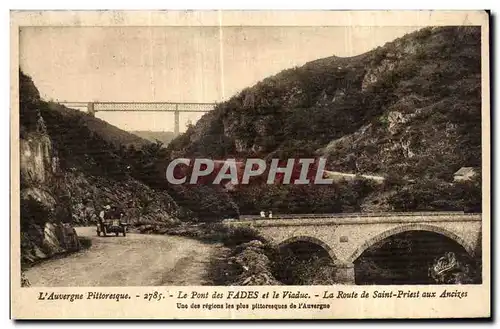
<point x="134" y="260"/>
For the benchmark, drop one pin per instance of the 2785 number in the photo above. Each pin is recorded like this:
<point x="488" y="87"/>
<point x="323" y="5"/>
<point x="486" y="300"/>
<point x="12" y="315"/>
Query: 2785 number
<point x="152" y="296"/>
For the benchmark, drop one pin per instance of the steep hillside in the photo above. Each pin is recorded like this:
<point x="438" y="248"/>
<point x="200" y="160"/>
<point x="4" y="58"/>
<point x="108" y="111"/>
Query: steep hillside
<point x="163" y="136"/>
<point x="70" y="169"/>
<point x="409" y="111"/>
<point x="45" y="218"/>
<point x="96" y="126"/>
<point x="411" y="107"/>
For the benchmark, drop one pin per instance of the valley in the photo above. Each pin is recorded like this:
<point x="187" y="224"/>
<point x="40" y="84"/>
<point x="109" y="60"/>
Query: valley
<point x="394" y="128"/>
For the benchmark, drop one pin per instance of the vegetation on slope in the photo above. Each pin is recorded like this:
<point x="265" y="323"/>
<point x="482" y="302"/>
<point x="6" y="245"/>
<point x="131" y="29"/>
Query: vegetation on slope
<point x="409" y="110"/>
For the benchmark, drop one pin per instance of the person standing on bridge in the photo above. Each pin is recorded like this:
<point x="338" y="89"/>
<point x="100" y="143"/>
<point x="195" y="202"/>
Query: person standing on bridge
<point x="270" y="214"/>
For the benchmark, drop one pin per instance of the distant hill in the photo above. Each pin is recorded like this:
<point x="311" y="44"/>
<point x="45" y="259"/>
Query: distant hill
<point x="163" y="136"/>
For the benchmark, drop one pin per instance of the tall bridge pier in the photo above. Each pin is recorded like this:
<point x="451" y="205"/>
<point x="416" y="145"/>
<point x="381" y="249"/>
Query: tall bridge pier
<point x="90" y="109"/>
<point x="176" y="121"/>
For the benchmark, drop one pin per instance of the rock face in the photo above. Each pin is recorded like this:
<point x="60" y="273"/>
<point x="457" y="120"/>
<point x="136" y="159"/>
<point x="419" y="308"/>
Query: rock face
<point x="46" y="228"/>
<point x="38" y="162"/>
<point x="45" y="212"/>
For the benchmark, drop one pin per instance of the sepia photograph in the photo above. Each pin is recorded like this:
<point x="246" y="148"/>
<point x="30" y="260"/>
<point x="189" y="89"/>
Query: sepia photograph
<point x="251" y="155"/>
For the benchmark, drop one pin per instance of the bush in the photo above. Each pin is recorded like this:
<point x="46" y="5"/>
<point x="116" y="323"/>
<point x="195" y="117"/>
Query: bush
<point x="316" y="269"/>
<point x="433" y="195"/>
<point x="208" y="204"/>
<point x="229" y="235"/>
<point x="241" y="234"/>
<point x="391" y="181"/>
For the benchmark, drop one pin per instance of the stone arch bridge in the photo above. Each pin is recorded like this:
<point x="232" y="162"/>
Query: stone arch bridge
<point x="346" y="236"/>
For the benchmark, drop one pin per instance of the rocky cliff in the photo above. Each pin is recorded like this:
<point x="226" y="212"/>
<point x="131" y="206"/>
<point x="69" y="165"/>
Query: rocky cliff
<point x="409" y="111"/>
<point x="45" y="212"/>
<point x="411" y="107"/>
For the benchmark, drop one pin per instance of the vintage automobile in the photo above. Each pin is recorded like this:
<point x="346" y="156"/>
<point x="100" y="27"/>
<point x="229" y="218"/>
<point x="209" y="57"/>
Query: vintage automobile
<point x="116" y="226"/>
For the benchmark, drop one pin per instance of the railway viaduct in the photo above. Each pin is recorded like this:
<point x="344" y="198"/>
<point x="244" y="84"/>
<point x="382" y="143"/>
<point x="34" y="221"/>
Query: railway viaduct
<point x="92" y="107"/>
<point x="346" y="237"/>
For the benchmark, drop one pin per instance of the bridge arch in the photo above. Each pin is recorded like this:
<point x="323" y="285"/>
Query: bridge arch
<point x="313" y="240"/>
<point x="411" y="227"/>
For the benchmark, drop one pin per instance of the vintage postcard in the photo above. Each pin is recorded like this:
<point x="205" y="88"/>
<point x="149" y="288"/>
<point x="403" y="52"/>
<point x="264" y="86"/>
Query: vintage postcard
<point x="250" y="164"/>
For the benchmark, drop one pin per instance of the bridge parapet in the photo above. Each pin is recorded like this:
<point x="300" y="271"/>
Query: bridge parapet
<point x="321" y="220"/>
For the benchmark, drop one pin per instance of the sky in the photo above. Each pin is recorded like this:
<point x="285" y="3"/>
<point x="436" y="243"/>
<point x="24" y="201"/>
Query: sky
<point x="176" y="64"/>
